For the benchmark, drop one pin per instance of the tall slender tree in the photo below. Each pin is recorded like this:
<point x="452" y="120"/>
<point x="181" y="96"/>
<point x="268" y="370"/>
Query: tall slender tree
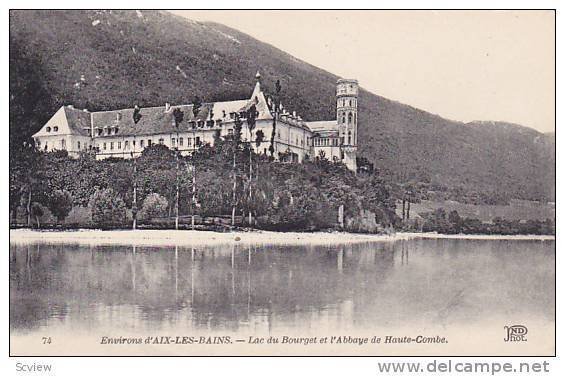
<point x="178" y="117"/>
<point x="276" y="105"/>
<point x="251" y="122"/>
<point x="196" y="105"/>
<point x="136" y="118"/>
<point x="235" y="148"/>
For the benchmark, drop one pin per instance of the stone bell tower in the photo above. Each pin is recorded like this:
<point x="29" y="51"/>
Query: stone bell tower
<point x="347" y="93"/>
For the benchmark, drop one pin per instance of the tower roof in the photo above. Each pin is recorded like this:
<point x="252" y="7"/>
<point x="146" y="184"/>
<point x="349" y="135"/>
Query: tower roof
<point x="347" y="80"/>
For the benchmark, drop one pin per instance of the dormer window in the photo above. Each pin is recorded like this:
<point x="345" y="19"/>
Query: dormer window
<point x="200" y="123"/>
<point x="48" y="129"/>
<point x="116" y="130"/>
<point x="55" y="128"/>
<point x="99" y="131"/>
<point x="219" y="123"/>
<point x="210" y="123"/>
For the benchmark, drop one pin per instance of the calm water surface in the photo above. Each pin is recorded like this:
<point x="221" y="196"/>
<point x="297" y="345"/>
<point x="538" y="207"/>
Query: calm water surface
<point x="260" y="289"/>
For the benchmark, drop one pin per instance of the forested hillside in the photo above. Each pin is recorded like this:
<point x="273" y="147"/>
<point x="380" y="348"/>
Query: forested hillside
<point x="114" y="59"/>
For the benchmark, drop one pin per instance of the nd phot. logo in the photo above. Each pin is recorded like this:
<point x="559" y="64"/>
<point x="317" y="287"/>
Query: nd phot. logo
<point x="515" y="333"/>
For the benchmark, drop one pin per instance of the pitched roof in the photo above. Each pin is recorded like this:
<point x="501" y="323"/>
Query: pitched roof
<point x="323" y="126"/>
<point x="78" y="120"/>
<point x="156" y="120"/>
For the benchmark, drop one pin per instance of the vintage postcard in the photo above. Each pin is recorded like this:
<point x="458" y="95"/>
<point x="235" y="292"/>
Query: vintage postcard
<point x="365" y="183"/>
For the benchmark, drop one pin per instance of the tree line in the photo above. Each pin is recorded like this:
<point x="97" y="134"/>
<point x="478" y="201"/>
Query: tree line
<point x="226" y="179"/>
<point x="442" y="222"/>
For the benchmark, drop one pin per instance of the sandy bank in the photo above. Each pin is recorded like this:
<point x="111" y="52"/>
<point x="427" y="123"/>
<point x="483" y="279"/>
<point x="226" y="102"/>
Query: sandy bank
<point x="431" y="235"/>
<point x="189" y="238"/>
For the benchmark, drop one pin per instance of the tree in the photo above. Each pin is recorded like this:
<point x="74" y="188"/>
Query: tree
<point x="136" y="114"/>
<point x="37" y="211"/>
<point x="259" y="138"/>
<point x="108" y="209"/>
<point x="27" y="178"/>
<point x="455" y="221"/>
<point x="251" y="120"/>
<point x="61" y="203"/>
<point x="136" y="118"/>
<point x="277" y="105"/>
<point x="196" y="104"/>
<point x="178" y="116"/>
<point x="154" y="206"/>
<point x="235" y="148"/>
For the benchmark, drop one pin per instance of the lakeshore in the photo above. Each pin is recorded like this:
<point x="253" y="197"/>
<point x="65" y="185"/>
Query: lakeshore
<point x="203" y="238"/>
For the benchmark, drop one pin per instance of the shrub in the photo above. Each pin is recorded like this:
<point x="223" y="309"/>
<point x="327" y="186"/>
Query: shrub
<point x="79" y="216"/>
<point x="154" y="206"/>
<point x="60" y="203"/>
<point x="41" y="215"/>
<point x="107" y="209"/>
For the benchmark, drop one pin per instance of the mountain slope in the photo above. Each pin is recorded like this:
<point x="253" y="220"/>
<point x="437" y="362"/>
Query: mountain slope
<point x="114" y="59"/>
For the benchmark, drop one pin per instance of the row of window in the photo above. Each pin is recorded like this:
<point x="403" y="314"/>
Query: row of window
<point x="332" y="141"/>
<point x="62" y="144"/>
<point x="109" y="131"/>
<point x="106" y="131"/>
<point x="48" y="129"/>
<point x="117" y="145"/>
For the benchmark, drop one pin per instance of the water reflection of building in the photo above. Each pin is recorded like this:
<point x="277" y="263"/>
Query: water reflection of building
<point x="258" y="288"/>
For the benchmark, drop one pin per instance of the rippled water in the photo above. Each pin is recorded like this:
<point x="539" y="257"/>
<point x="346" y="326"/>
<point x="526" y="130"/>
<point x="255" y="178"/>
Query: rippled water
<point x="424" y="283"/>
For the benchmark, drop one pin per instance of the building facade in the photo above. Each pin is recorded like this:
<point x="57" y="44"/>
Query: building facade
<point x="116" y="134"/>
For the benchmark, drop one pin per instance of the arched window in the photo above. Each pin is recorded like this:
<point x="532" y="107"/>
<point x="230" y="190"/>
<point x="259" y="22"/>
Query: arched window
<point x="48" y="129"/>
<point x="354" y="119"/>
<point x="349" y="118"/>
<point x="349" y="138"/>
<point x="350" y="103"/>
<point x="343" y="118"/>
<point x="55" y="128"/>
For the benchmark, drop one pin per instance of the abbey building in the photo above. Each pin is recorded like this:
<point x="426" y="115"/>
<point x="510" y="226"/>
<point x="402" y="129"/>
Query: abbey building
<point x="116" y="134"/>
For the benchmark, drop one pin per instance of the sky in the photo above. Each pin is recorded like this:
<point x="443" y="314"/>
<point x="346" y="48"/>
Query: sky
<point x="461" y="65"/>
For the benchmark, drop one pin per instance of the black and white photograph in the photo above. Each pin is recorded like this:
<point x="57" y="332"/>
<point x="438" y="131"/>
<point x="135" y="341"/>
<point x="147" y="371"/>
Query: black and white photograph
<point x="282" y="183"/>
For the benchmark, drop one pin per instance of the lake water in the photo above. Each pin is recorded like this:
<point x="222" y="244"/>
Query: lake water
<point x="447" y="287"/>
